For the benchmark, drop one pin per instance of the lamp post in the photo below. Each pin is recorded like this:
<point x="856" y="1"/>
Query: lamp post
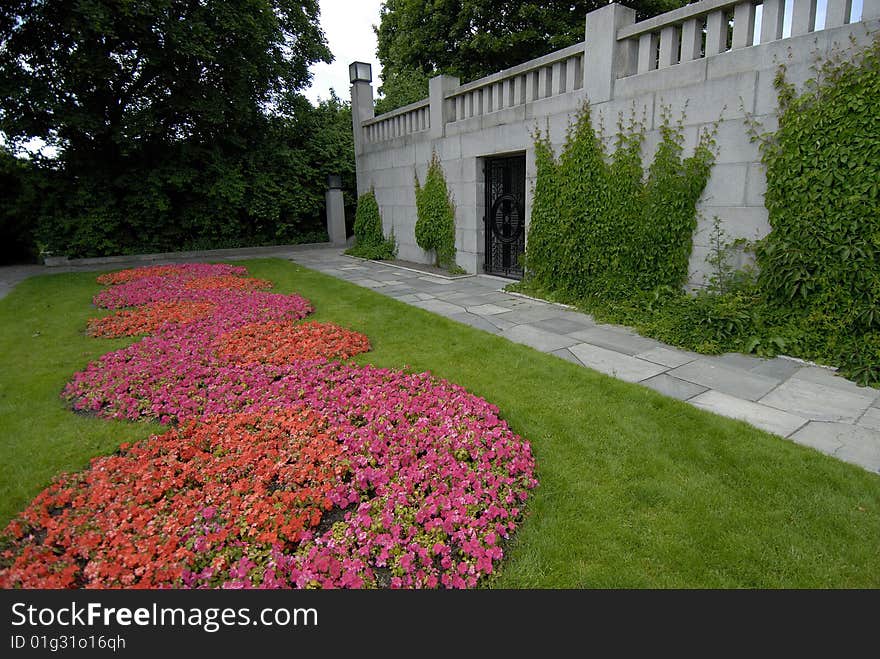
<point x="361" y="76"/>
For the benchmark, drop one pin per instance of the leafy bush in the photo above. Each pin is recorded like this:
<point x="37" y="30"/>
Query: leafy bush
<point x="822" y="258"/>
<point x="601" y="227"/>
<point x="618" y="248"/>
<point x="370" y="242"/>
<point x="435" y="223"/>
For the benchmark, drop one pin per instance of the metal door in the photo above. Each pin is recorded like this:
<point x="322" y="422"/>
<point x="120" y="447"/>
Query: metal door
<point x="505" y="220"/>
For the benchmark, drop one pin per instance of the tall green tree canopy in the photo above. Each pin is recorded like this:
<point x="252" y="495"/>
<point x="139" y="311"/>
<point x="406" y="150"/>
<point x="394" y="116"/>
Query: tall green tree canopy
<point x="111" y="75"/>
<point x="474" y="38"/>
<point x="172" y="122"/>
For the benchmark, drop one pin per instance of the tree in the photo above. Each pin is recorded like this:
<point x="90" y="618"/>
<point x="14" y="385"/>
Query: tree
<point x="157" y="111"/>
<point x="474" y="38"/>
<point x="19" y="199"/>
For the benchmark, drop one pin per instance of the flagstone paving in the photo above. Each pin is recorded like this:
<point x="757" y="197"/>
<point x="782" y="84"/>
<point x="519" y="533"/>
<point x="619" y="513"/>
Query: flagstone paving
<point x="804" y="403"/>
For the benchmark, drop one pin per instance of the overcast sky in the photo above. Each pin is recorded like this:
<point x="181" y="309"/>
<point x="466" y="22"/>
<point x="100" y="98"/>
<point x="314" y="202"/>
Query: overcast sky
<point x="348" y="26"/>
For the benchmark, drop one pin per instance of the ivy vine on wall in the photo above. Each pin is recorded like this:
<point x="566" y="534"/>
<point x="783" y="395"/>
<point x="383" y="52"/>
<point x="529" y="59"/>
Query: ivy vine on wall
<point x="821" y="261"/>
<point x="603" y="228"/>
<point x="435" y="216"/>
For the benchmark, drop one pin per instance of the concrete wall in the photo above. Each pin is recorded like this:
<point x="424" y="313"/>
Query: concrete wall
<point x="499" y="114"/>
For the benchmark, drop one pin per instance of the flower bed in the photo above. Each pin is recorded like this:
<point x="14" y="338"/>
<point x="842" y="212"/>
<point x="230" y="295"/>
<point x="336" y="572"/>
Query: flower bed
<point x="181" y="271"/>
<point x="189" y="501"/>
<point x="276" y="342"/>
<point x="148" y="319"/>
<point x="373" y="477"/>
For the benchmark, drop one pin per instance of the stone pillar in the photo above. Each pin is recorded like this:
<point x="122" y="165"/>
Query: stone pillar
<point x="335" y="211"/>
<point x="605" y="59"/>
<point x="439" y="88"/>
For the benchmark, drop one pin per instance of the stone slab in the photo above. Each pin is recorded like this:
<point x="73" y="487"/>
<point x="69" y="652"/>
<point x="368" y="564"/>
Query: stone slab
<point x="853" y="444"/>
<point x="565" y="353"/>
<point x="475" y="321"/>
<point x="425" y="296"/>
<point x="668" y="356"/>
<point x="870" y="419"/>
<point x="613" y="339"/>
<point x="409" y="298"/>
<point x="829" y="378"/>
<point x="487" y="310"/>
<point x="726" y="379"/>
<point x="439" y="306"/>
<point x="760" y="416"/>
<point x="673" y="387"/>
<point x="537" y="338"/>
<point x="615" y="364"/>
<point x="368" y="283"/>
<point x="521" y="316"/>
<point x="739" y="360"/>
<point x="560" y="325"/>
<point x="499" y="322"/>
<point x="818" y="402"/>
<point x="778" y="368"/>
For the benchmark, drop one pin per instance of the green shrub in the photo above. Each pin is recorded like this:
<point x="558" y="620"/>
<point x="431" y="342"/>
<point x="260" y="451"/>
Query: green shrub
<point x="601" y="227"/>
<point x="370" y="242"/>
<point x="617" y="247"/>
<point x="435" y="216"/>
<point x="822" y="257"/>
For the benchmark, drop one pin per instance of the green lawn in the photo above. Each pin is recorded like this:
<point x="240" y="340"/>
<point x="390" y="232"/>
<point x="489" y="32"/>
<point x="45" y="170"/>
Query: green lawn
<point x="637" y="490"/>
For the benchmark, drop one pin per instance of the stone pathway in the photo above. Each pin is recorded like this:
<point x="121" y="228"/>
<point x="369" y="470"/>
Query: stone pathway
<point x="807" y="404"/>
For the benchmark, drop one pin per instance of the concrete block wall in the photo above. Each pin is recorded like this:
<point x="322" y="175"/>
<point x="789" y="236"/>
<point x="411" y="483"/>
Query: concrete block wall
<point x="723" y="90"/>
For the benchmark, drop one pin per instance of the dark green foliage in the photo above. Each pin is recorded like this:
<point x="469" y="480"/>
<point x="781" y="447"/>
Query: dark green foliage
<point x="474" y="38"/>
<point x="173" y="123"/>
<point x="601" y="228"/>
<point x="19" y="203"/>
<point x="370" y="241"/>
<point x="435" y="223"/>
<point x="401" y="88"/>
<point x="822" y="259"/>
<point x="817" y="295"/>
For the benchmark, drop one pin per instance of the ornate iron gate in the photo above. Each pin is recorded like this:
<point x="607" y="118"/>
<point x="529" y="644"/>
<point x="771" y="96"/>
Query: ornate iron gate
<point x="505" y="220"/>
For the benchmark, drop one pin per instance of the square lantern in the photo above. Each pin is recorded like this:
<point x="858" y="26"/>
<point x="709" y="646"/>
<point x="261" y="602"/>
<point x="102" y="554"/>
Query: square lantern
<point x="334" y="181"/>
<point x="360" y="72"/>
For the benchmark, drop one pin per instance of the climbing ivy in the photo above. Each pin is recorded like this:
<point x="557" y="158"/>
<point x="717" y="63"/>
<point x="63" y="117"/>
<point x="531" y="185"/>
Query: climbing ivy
<point x="816" y="294"/>
<point x="370" y="242"/>
<point x="603" y="228"/>
<point x="435" y="216"/>
<point x="821" y="260"/>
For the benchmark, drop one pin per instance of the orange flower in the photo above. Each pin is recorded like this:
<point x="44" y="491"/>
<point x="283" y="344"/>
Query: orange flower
<point x="277" y="342"/>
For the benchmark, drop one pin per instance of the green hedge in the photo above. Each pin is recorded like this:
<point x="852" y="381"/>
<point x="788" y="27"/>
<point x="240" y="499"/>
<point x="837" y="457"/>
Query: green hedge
<point x="370" y="242"/>
<point x="603" y="228"/>
<point x="435" y="216"/>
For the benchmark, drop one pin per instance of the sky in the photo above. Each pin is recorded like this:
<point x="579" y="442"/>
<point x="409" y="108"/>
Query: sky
<point x="348" y="26"/>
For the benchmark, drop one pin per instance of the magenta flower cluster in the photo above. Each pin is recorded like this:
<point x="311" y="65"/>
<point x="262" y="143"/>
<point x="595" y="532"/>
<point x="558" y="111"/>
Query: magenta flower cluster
<point x="435" y="480"/>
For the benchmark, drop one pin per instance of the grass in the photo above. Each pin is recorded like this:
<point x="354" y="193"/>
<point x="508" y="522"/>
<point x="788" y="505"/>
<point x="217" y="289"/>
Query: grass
<point x="637" y="490"/>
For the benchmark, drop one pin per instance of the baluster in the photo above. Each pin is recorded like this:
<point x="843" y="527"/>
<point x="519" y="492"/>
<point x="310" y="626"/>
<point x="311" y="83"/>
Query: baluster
<point x="803" y="17"/>
<point x="691" y="39"/>
<point x="743" y="25"/>
<point x="837" y="13"/>
<point x="716" y="32"/>
<point x="647" y="52"/>
<point x="668" y="46"/>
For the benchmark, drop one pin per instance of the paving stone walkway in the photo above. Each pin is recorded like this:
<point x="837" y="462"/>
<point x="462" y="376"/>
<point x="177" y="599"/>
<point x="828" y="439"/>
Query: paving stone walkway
<point x="807" y="404"/>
